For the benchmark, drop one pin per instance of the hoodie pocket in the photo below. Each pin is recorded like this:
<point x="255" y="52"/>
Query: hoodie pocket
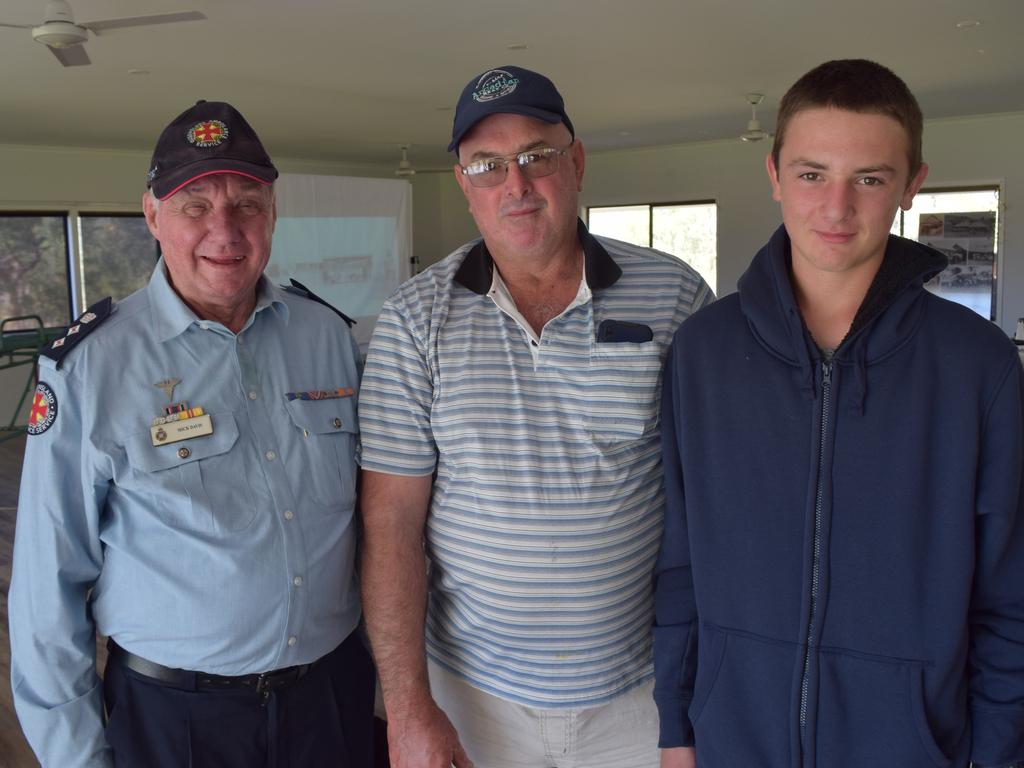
<point x="741" y="699"/>
<point x="871" y="712"/>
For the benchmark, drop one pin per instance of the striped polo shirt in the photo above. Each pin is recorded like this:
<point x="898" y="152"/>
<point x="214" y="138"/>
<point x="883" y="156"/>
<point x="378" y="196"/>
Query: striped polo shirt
<point x="546" y="509"/>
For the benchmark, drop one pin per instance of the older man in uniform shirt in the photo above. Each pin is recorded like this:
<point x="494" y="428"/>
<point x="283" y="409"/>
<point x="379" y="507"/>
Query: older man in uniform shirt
<point x="188" y="491"/>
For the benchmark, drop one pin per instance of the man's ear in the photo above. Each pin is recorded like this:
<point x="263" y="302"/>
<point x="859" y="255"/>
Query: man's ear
<point x="773" y="176"/>
<point x="907" y="199"/>
<point x="149" y="209"/>
<point x="462" y="180"/>
<point x="579" y="160"/>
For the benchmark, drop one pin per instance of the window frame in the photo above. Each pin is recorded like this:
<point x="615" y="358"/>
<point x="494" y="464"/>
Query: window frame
<point x="650" y="211"/>
<point x="650" y="218"/>
<point x="72" y="215"/>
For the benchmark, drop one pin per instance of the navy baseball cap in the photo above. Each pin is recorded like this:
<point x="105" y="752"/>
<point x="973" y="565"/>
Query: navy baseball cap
<point x="508" y="90"/>
<point x="210" y="137"/>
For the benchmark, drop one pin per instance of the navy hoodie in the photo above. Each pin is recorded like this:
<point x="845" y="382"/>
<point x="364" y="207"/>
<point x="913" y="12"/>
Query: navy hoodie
<point x="841" y="580"/>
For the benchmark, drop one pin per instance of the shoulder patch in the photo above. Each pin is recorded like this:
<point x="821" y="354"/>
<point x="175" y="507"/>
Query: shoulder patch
<point x="44" y="409"/>
<point x="87" y="322"/>
<point x="299" y="289"/>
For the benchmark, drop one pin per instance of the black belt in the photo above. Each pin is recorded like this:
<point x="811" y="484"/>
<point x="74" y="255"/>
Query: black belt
<point x="263" y="683"/>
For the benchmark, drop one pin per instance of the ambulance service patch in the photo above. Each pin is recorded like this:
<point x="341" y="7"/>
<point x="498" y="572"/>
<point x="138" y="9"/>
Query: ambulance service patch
<point x="208" y="133"/>
<point x="44" y="409"/>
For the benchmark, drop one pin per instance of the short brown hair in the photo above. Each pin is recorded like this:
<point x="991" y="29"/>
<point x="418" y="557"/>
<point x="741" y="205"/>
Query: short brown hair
<point x="856" y="85"/>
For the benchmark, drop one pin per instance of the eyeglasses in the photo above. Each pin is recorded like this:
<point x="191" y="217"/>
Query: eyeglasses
<point x="534" y="163"/>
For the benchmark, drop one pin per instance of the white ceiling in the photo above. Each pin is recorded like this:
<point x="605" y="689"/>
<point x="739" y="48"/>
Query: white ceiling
<point x="350" y="80"/>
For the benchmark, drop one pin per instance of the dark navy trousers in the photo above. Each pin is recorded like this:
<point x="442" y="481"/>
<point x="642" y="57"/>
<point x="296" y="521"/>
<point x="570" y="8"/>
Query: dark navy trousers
<point x="323" y="719"/>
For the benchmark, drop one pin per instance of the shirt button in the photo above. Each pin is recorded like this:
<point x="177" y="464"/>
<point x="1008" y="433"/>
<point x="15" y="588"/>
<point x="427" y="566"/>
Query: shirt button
<point x="337" y="423"/>
<point x="288" y="514"/>
<point x="205" y="326"/>
<point x="297" y="581"/>
<point x="270" y="455"/>
<point x="184" y="453"/>
<point x="253" y="395"/>
<point x="293" y="640"/>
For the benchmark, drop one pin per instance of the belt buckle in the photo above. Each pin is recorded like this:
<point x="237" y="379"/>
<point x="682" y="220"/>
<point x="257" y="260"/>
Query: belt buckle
<point x="270" y="681"/>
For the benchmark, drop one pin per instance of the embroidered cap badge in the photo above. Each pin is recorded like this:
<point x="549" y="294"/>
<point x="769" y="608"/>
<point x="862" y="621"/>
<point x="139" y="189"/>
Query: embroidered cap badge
<point x="208" y="133"/>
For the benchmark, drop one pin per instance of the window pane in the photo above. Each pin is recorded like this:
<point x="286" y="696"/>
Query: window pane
<point x="963" y="226"/>
<point x="629" y="223"/>
<point x="118" y="255"/>
<point x="33" y="263"/>
<point x="689" y="232"/>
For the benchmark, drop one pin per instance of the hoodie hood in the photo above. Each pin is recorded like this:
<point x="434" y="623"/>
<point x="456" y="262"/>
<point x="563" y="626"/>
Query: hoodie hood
<point x="891" y="310"/>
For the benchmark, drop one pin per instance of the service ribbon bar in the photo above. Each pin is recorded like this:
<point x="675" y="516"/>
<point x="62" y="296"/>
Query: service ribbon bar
<point x="321" y="394"/>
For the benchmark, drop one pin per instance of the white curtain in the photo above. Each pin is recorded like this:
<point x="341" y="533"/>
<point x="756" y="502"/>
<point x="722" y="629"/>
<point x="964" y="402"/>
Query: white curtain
<point x="347" y="239"/>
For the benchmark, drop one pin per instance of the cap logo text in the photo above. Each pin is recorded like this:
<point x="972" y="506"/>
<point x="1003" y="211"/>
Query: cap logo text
<point x="494" y="84"/>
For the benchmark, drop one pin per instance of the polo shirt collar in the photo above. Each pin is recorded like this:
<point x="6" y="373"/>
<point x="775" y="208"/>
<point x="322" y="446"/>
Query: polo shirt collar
<point x="172" y="316"/>
<point x="477" y="269"/>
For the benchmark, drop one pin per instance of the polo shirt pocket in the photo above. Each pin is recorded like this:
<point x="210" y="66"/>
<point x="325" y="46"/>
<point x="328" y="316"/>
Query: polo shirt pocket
<point x="193" y="484"/>
<point x="328" y="434"/>
<point x="622" y="390"/>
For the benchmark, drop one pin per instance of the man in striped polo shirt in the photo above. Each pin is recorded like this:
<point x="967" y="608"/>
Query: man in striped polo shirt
<point x="510" y="438"/>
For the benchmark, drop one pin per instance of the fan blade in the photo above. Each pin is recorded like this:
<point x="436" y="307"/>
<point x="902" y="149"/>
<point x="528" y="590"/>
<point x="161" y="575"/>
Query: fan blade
<point x="98" y="27"/>
<point x="72" y="56"/>
<point x="19" y="26"/>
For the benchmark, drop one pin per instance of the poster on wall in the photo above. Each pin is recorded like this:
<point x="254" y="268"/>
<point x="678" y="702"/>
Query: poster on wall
<point x="968" y="240"/>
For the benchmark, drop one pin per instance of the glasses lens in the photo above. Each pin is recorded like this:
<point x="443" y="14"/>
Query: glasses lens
<point x="487" y="173"/>
<point x="539" y="162"/>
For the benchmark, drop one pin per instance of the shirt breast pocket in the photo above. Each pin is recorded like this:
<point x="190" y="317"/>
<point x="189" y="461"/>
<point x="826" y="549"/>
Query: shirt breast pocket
<point x="328" y="431"/>
<point x="195" y="484"/>
<point x="623" y="390"/>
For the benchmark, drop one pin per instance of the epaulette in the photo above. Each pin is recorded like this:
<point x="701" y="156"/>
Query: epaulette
<point x="300" y="290"/>
<point x="86" y="323"/>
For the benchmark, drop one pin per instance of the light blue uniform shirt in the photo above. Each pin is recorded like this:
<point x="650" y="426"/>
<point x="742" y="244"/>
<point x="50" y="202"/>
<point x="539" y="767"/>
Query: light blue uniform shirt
<point x="230" y="553"/>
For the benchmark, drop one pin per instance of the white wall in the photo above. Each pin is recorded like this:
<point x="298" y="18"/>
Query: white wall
<point x="59" y="178"/>
<point x="962" y="151"/>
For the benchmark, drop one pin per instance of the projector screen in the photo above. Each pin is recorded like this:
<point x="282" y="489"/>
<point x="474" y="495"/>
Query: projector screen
<point x="347" y="239"/>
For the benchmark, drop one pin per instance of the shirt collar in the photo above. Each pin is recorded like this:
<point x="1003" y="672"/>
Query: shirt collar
<point x="172" y="316"/>
<point x="600" y="270"/>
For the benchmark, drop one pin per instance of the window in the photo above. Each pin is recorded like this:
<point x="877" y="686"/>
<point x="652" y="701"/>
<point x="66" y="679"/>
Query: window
<point x="962" y="223"/>
<point x="55" y="264"/>
<point x="686" y="230"/>
<point x="117" y="255"/>
<point x="34" y="265"/>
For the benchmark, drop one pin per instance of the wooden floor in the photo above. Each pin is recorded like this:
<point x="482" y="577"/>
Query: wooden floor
<point x="14" y="752"/>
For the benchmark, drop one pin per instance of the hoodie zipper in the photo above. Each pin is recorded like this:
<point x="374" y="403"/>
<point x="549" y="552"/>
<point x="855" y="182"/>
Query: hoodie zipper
<point x="826" y="389"/>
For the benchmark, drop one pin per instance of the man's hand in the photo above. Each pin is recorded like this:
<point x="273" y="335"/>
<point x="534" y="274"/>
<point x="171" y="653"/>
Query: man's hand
<point x="425" y="739"/>
<point x="679" y="757"/>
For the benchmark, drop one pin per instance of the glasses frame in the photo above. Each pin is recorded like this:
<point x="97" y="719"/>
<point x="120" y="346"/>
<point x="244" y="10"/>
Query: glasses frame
<point x="474" y="177"/>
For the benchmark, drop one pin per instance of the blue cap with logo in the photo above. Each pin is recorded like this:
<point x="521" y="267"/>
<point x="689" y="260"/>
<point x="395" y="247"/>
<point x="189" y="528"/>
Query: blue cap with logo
<point x="508" y="90"/>
<point x="208" y="137"/>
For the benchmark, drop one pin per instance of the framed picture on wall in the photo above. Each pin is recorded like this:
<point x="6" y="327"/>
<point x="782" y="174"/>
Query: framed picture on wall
<point x="968" y="240"/>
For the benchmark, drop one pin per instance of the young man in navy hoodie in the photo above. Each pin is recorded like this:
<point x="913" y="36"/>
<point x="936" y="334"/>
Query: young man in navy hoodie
<point x="841" y="579"/>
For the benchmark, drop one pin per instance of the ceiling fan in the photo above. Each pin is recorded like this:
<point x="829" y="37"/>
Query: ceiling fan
<point x="64" y="37"/>
<point x="404" y="166"/>
<point x="754" y="132"/>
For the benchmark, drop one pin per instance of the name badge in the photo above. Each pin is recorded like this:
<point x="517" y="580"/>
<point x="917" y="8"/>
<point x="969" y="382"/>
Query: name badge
<point x="185" y="429"/>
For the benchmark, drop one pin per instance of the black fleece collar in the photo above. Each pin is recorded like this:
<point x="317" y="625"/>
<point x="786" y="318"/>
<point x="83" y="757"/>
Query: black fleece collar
<point x="477" y="270"/>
